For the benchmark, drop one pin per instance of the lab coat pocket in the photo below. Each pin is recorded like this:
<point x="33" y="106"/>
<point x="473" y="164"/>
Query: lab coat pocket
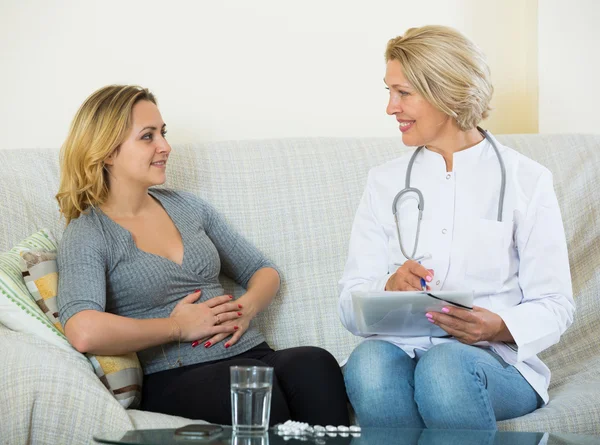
<point x="487" y="255"/>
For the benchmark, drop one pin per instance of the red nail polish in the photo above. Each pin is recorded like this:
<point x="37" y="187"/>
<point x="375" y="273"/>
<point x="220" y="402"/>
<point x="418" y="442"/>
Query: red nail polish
<point x="240" y="314"/>
<point x="195" y="344"/>
<point x="197" y="290"/>
<point x="240" y="306"/>
<point x="236" y="328"/>
<point x="227" y="345"/>
<point x="207" y="344"/>
<point x="231" y="297"/>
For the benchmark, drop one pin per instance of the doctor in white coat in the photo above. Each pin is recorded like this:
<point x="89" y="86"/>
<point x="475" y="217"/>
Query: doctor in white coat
<point x="486" y="368"/>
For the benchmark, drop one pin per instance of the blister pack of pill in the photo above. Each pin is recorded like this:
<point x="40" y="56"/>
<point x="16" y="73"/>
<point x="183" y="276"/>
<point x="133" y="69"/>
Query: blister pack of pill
<point x="293" y="429"/>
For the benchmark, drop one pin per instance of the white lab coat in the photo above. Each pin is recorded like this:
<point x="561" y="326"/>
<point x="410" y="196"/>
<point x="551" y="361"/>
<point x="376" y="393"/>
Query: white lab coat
<point x="518" y="268"/>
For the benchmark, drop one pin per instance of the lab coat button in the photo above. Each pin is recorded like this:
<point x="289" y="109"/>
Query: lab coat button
<point x="444" y="231"/>
<point x="437" y="283"/>
<point x="448" y="176"/>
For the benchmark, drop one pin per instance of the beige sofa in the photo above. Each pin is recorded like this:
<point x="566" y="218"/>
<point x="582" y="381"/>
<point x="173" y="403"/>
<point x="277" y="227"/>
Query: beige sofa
<point x="296" y="200"/>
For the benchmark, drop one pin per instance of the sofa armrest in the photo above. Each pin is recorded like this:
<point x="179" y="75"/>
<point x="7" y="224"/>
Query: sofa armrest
<point x="573" y="406"/>
<point x="49" y="395"/>
<point x="145" y="420"/>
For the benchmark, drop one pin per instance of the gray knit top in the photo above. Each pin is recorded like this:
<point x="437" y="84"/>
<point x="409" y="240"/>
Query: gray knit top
<point x="100" y="268"/>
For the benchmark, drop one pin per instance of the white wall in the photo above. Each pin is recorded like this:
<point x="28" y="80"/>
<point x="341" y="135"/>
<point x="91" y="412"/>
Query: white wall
<point x="243" y="69"/>
<point x="569" y="52"/>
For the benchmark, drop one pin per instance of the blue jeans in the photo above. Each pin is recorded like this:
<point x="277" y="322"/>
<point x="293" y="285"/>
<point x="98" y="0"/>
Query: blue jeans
<point x="452" y="385"/>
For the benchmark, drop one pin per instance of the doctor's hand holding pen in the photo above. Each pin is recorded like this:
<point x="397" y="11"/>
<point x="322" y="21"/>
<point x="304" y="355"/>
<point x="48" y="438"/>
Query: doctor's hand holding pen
<point x="411" y="276"/>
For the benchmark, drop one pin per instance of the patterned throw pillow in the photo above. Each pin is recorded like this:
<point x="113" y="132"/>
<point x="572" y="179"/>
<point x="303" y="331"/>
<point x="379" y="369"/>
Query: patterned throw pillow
<point x="41" y="278"/>
<point x="122" y="375"/>
<point x="33" y="273"/>
<point x="18" y="310"/>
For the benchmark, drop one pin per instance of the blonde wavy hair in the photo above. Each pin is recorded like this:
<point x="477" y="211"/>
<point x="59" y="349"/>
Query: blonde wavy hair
<point x="98" y="129"/>
<point x="447" y="69"/>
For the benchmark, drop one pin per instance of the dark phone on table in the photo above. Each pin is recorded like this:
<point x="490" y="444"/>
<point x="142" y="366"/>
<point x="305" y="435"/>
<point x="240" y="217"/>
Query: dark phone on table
<point x="198" y="430"/>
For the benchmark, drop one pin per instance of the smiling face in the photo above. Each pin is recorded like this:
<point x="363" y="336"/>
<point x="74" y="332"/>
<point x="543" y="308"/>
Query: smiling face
<point x="420" y="122"/>
<point x="141" y="159"/>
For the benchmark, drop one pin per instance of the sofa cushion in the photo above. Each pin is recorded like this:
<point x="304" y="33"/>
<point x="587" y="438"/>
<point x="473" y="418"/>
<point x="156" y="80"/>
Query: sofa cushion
<point x="51" y="396"/>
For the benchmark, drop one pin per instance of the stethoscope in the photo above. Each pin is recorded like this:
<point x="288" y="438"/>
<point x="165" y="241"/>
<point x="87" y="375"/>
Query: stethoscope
<point x="421" y="201"/>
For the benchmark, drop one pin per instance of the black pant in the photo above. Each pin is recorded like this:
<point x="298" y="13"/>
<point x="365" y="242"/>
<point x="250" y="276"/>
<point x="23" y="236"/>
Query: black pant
<point x="308" y="386"/>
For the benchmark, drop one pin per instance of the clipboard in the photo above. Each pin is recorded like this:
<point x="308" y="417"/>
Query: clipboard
<point x="403" y="313"/>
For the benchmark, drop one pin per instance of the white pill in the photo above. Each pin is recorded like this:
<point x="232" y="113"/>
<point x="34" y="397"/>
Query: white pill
<point x="343" y="429"/>
<point x="319" y="428"/>
<point x="355" y="434"/>
<point x="355" y="428"/>
<point x="344" y="434"/>
<point x="309" y="430"/>
<point x="332" y="434"/>
<point x="330" y="428"/>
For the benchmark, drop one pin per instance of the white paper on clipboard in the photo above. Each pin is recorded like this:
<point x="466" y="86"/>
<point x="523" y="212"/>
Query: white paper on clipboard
<point x="403" y="313"/>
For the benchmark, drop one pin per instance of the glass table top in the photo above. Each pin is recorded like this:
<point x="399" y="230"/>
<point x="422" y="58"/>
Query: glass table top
<point x="368" y="436"/>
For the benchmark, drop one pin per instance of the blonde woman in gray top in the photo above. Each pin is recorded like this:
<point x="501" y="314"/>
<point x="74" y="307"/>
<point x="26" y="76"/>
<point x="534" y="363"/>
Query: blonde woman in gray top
<point x="139" y="268"/>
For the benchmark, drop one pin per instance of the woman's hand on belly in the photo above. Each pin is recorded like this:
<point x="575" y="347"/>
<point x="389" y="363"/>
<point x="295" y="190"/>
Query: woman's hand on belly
<point x="262" y="287"/>
<point x="241" y="324"/>
<point x="470" y="327"/>
<point x="205" y="319"/>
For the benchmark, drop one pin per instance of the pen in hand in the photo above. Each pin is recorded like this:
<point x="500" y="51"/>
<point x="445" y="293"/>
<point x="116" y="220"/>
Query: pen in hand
<point x="423" y="283"/>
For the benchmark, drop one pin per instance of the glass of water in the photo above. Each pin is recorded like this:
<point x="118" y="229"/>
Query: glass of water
<point x="251" y="388"/>
<point x="250" y="439"/>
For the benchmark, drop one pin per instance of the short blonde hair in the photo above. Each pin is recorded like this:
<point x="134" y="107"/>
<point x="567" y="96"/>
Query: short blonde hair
<point x="447" y="69"/>
<point x="98" y="129"/>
